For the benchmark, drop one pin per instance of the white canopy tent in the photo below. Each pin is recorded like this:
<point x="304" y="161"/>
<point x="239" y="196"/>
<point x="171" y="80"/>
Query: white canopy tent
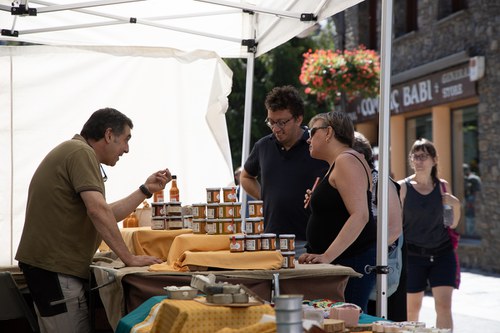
<point x="176" y="101"/>
<point x="230" y="28"/>
<point x="215" y="25"/>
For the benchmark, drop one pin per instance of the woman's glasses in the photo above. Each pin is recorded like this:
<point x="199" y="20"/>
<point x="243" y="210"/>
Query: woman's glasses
<point x="313" y="130"/>
<point x="420" y="157"/>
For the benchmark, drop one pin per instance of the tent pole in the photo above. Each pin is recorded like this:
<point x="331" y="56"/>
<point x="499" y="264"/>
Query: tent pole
<point x="247" y="125"/>
<point x="384" y="129"/>
<point x="253" y="8"/>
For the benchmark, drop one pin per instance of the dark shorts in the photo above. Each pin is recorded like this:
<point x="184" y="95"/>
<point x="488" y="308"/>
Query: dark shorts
<point x="437" y="271"/>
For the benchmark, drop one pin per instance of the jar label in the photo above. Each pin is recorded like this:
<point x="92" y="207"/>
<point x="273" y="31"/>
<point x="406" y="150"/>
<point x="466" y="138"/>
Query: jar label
<point x="211" y="228"/>
<point x="251" y="244"/>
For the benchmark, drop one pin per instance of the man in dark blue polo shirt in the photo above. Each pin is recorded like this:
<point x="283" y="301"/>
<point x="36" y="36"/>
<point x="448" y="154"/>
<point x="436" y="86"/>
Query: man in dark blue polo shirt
<point x="280" y="169"/>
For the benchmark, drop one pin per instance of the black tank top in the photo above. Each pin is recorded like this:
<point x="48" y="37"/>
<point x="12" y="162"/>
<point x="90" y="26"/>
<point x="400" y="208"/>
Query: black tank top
<point x="329" y="215"/>
<point x="423" y="218"/>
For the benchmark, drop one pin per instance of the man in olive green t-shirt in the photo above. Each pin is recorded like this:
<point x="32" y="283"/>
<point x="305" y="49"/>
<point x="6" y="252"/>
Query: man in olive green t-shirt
<point x="67" y="216"/>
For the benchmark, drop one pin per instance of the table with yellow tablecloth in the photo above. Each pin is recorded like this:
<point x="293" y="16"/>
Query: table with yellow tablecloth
<point x="145" y="241"/>
<point x="189" y="254"/>
<point x="177" y="316"/>
<point x="182" y="251"/>
<point x="134" y="285"/>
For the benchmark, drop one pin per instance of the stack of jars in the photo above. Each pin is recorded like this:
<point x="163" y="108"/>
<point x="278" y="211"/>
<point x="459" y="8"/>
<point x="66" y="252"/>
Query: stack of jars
<point x="215" y="217"/>
<point x="287" y="248"/>
<point x="166" y="216"/>
<point x="255" y="239"/>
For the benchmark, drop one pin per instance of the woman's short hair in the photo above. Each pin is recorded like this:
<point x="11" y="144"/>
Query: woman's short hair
<point x="339" y="121"/>
<point x="363" y="146"/>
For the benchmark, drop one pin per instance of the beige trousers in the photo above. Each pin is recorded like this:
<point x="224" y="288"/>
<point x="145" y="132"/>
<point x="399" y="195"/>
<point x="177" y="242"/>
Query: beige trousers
<point x="76" y="319"/>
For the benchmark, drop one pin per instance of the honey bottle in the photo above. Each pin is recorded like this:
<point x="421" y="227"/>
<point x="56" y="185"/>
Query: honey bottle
<point x="174" y="190"/>
<point x="158" y="196"/>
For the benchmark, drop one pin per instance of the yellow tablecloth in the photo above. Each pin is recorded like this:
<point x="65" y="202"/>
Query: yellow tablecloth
<point x="178" y="316"/>
<point x="144" y="241"/>
<point x="196" y="243"/>
<point x="222" y="259"/>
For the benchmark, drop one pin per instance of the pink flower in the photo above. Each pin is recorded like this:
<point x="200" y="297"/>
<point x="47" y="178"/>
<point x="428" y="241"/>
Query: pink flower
<point x="326" y="73"/>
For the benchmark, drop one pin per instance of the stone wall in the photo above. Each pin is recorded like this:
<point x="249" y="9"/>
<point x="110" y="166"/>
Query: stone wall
<point x="477" y="31"/>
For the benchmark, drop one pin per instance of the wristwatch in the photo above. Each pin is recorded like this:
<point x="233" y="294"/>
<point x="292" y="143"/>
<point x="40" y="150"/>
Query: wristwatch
<point x="145" y="191"/>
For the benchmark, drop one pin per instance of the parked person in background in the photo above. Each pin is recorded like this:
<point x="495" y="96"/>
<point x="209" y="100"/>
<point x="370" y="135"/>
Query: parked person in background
<point x="395" y="217"/>
<point x="396" y="302"/>
<point x="280" y="169"/>
<point x="341" y="229"/>
<point x="431" y="258"/>
<point x="67" y="216"/>
<point x="472" y="193"/>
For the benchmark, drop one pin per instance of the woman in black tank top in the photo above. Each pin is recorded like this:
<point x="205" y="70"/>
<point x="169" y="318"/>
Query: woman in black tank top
<point x="341" y="228"/>
<point x="431" y="258"/>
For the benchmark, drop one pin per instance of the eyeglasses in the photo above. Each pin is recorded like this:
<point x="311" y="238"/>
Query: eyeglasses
<point x="280" y="123"/>
<point x="419" y="157"/>
<point x="104" y="176"/>
<point x="313" y="130"/>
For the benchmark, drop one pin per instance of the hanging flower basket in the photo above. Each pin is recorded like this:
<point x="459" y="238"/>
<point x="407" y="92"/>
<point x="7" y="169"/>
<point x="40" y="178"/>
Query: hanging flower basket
<point x="327" y="74"/>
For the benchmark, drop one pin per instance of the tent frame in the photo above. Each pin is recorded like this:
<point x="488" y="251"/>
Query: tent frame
<point x="23" y="9"/>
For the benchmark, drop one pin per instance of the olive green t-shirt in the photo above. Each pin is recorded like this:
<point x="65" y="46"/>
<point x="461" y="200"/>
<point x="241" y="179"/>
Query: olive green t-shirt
<point x="58" y="235"/>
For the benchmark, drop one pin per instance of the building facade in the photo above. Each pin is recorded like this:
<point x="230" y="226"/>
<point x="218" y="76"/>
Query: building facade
<point x="444" y="87"/>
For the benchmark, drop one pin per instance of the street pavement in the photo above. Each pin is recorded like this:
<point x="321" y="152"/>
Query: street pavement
<point x="476" y="305"/>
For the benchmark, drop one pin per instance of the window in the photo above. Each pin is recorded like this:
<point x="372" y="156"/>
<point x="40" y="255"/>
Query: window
<point x="368" y="23"/>
<point x="466" y="176"/>
<point x="405" y="17"/>
<point x="448" y="7"/>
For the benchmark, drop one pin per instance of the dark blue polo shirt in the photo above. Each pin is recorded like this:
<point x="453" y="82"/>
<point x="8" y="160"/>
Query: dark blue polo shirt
<point x="284" y="177"/>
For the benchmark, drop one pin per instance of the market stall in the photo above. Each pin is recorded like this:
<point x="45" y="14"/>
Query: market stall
<point x="118" y="23"/>
<point x="132" y="286"/>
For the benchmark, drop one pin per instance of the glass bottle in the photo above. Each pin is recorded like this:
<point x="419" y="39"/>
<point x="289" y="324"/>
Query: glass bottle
<point x="158" y="196"/>
<point x="131" y="221"/>
<point x="174" y="190"/>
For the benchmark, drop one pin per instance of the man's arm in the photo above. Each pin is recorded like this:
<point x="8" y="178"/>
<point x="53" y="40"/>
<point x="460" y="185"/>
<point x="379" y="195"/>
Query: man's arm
<point x="250" y="184"/>
<point x="156" y="182"/>
<point x="104" y="221"/>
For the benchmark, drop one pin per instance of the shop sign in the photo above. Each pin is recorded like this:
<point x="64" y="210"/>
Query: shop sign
<point x="435" y="89"/>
